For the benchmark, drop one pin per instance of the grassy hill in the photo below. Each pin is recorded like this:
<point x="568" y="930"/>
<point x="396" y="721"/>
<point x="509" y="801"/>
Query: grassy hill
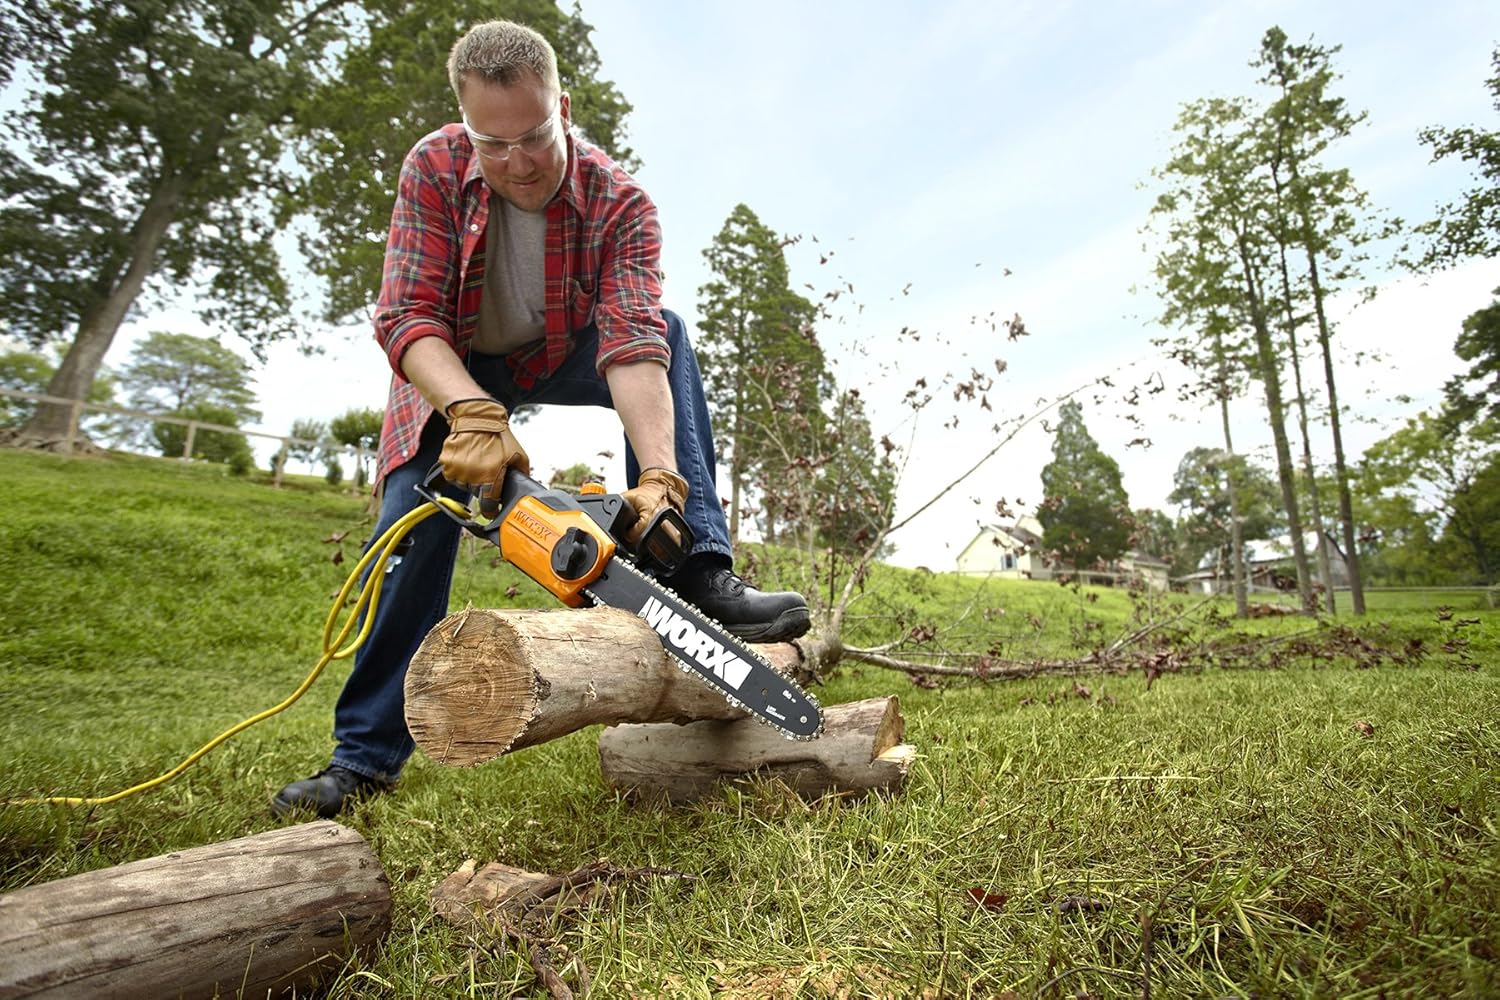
<point x="1313" y="830"/>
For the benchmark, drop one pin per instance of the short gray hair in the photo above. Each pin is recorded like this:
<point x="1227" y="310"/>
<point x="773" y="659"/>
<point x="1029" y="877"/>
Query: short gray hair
<point x="502" y="52"/>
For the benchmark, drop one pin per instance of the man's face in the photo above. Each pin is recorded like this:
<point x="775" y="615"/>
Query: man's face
<point x="525" y="166"/>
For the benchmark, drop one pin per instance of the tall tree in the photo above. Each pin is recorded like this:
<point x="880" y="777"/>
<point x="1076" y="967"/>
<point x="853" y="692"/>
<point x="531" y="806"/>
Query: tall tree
<point x="151" y="156"/>
<point x="1220" y="199"/>
<point x="764" y="372"/>
<point x="143" y="160"/>
<point x="169" y="372"/>
<point x="1085" y="514"/>
<point x="1324" y="213"/>
<point x="1210" y="516"/>
<point x="1469" y="227"/>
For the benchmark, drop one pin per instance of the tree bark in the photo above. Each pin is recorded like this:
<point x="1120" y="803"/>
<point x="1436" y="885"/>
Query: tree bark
<point x="261" y="915"/>
<point x="860" y="751"/>
<point x="1266" y="361"/>
<point x="48" y="426"/>
<point x="487" y="682"/>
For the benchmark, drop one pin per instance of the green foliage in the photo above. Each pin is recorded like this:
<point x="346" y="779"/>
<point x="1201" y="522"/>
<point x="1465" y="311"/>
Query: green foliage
<point x="151" y="146"/>
<point x="764" y="373"/>
<point x="389" y="88"/>
<point x="1432" y="464"/>
<point x="208" y="445"/>
<point x="1201" y="492"/>
<point x="1085" y="511"/>
<point x="177" y="372"/>
<point x="310" y="430"/>
<point x="1478" y="344"/>
<point x="357" y="427"/>
<point x="1470" y="227"/>
<point x="29" y="371"/>
<point x="574" y="476"/>
<point x="856" y="486"/>
<point x="1154" y="533"/>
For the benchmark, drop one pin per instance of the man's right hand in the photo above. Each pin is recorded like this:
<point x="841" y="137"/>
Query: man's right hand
<point x="479" y="448"/>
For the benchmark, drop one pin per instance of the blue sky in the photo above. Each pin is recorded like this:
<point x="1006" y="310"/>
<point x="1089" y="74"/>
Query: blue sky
<point x="931" y="146"/>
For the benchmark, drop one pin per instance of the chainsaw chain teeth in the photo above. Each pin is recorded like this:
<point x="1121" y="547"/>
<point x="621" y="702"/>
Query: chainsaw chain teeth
<point x="685" y="668"/>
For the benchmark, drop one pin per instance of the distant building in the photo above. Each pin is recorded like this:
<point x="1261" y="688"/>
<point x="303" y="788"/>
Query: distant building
<point x="1275" y="573"/>
<point x="1015" y="552"/>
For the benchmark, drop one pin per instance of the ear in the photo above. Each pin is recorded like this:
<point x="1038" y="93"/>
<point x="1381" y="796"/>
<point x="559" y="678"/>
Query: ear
<point x="567" y="108"/>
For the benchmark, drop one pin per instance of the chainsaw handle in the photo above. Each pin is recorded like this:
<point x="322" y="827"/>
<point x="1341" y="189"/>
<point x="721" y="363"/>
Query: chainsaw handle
<point x="665" y="542"/>
<point x="663" y="545"/>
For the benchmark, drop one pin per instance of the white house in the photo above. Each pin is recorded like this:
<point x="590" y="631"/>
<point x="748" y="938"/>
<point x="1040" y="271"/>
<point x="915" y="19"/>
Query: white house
<point x="1011" y="552"/>
<point x="1015" y="552"/>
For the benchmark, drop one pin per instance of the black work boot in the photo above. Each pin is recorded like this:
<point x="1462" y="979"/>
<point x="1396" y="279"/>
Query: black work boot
<point x="326" y="793"/>
<point x="753" y="615"/>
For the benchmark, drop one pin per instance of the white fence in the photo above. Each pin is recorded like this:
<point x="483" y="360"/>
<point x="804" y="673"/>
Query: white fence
<point x="78" y="407"/>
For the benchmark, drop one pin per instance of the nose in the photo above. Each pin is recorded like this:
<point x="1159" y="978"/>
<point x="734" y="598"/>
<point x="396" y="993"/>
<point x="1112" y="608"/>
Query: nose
<point x="518" y="164"/>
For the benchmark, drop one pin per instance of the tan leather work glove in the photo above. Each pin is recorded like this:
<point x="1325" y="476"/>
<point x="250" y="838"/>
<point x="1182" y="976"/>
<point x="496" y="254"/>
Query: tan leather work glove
<point x="479" y="448"/>
<point x="657" y="488"/>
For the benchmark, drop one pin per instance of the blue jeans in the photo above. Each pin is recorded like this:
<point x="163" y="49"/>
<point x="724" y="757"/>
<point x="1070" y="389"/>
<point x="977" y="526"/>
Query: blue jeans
<point x="369" y="721"/>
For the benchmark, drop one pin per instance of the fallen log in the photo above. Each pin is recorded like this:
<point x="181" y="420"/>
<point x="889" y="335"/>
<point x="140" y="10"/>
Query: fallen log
<point x="860" y="751"/>
<point x="258" y="916"/>
<point x="489" y="682"/>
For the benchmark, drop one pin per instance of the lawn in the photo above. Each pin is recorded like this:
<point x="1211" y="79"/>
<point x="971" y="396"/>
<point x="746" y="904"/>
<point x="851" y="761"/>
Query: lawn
<point x="1322" y="828"/>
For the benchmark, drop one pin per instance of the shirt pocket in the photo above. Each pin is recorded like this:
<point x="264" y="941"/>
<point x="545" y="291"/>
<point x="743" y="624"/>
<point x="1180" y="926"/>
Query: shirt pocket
<point x="581" y="299"/>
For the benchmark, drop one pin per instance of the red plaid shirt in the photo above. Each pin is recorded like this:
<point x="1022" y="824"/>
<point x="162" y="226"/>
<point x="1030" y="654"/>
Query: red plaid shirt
<point x="602" y="266"/>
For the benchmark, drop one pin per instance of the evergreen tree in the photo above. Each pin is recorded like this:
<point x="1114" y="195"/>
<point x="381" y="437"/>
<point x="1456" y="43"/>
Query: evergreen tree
<point x="763" y="371"/>
<point x="1086" y="514"/>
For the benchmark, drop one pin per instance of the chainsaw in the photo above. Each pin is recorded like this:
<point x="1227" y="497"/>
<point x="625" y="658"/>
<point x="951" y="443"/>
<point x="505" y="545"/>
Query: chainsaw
<point x="575" y="548"/>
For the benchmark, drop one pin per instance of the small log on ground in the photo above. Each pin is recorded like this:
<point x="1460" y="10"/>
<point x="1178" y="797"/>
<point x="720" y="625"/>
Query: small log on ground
<point x="860" y="751"/>
<point x="258" y="916"/>
<point x="488" y="682"/>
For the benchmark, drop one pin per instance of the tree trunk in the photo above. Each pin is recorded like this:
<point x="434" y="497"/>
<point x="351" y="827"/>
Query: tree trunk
<point x="1340" y="468"/>
<point x="1236" y="526"/>
<point x="860" y="751"/>
<point x="49" y="424"/>
<point x="1309" y="469"/>
<point x="487" y="682"/>
<point x="260" y="915"/>
<point x="1271" y="379"/>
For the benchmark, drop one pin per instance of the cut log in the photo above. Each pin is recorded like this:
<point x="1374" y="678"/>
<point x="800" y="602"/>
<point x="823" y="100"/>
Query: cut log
<point x="258" y="916"/>
<point x="860" y="751"/>
<point x="488" y="682"/>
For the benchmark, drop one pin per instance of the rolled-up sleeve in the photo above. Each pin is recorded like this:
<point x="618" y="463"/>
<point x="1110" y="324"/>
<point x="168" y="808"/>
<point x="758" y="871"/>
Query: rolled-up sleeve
<point x="628" y="313"/>
<point x="419" y="283"/>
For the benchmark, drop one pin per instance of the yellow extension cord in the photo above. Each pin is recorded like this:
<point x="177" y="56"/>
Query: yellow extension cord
<point x="369" y="599"/>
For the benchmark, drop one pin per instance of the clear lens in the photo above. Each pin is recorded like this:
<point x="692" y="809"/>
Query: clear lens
<point x="535" y="142"/>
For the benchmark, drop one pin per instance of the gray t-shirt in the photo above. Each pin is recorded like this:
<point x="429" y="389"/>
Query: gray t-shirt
<point x="512" y="310"/>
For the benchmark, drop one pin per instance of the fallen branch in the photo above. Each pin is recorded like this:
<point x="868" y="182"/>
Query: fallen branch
<point x="498" y="902"/>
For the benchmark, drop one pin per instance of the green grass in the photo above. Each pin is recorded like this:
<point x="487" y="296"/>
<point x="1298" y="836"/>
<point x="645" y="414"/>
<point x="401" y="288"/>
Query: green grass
<point x="1234" y="831"/>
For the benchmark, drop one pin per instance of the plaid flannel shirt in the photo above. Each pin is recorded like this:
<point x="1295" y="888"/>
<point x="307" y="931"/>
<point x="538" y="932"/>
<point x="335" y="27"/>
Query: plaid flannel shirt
<point x="602" y="266"/>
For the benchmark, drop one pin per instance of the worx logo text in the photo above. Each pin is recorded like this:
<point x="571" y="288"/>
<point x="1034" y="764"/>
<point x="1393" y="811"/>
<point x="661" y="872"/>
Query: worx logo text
<point x="692" y="643"/>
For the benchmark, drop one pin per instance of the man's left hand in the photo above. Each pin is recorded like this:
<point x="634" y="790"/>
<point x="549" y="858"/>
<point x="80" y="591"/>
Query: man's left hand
<point x="656" y="489"/>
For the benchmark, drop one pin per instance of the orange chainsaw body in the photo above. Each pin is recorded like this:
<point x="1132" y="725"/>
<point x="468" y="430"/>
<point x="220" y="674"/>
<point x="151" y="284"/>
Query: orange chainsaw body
<point x="563" y="550"/>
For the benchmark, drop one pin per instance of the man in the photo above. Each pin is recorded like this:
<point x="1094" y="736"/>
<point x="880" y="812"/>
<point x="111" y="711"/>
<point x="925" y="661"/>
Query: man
<point x="522" y="267"/>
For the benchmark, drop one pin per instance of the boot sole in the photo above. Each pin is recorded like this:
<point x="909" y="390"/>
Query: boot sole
<point x="787" y="625"/>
